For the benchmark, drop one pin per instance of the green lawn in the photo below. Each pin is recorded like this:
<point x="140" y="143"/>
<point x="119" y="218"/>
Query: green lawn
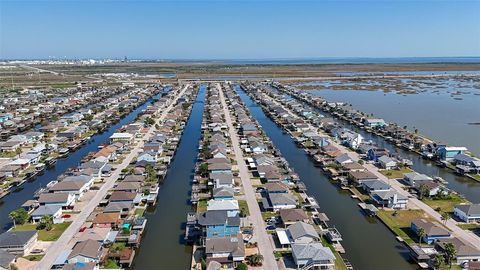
<point x="395" y="174"/>
<point x="202" y="206"/>
<point x="400" y="222"/>
<point x="469" y="226"/>
<point x="243" y="207"/>
<point x="267" y="215"/>
<point x="339" y="264"/>
<point x="110" y="264"/>
<point x="44" y="235"/>
<point x="444" y="205"/>
<point x="34" y="258"/>
<point x="139" y="211"/>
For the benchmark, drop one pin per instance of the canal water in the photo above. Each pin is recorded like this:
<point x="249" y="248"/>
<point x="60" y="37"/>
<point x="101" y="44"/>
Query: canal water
<point x="162" y="246"/>
<point x="466" y="187"/>
<point x="15" y="199"/>
<point x="434" y="112"/>
<point x="369" y="244"/>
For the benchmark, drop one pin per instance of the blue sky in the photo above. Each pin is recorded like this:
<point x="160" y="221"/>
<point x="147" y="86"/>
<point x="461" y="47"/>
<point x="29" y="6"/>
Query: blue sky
<point x="238" y="29"/>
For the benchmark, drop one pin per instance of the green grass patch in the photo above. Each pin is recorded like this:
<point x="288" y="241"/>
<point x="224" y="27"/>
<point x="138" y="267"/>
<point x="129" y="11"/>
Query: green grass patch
<point x="444" y="204"/>
<point x="395" y="174"/>
<point x="44" y="235"/>
<point x="139" y="211"/>
<point x="110" y="264"/>
<point x="339" y="264"/>
<point x="34" y="258"/>
<point x="469" y="226"/>
<point x="267" y="215"/>
<point x="399" y="222"/>
<point x="242" y="204"/>
<point x="202" y="206"/>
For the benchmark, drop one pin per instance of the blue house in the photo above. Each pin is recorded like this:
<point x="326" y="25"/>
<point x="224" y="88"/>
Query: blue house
<point x="219" y="224"/>
<point x="375" y="153"/>
<point x="448" y="153"/>
<point x="432" y="231"/>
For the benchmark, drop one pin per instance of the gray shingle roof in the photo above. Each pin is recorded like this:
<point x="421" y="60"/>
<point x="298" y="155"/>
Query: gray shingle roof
<point x="19" y="238"/>
<point x="300" y="229"/>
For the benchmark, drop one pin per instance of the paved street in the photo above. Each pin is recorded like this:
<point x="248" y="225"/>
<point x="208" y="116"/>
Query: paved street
<point x="59" y="246"/>
<point x="451" y="224"/>
<point x="260" y="235"/>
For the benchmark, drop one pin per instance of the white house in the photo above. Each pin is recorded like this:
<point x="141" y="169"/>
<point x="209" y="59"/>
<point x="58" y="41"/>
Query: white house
<point x="467" y="212"/>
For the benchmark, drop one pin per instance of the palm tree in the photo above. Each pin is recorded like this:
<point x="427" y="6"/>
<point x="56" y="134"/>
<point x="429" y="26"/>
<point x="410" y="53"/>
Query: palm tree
<point x="423" y="190"/>
<point x="47" y="222"/>
<point x="445" y="217"/>
<point x="18" y="216"/>
<point x="450" y="253"/>
<point x="438" y="261"/>
<point x="421" y="233"/>
<point x="13" y="216"/>
<point x="255" y="259"/>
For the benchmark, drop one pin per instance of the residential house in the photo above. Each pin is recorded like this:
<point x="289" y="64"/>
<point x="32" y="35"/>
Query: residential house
<point x="314" y="255"/>
<point x="387" y="163"/>
<point x="390" y="199"/>
<point x="432" y="231"/>
<point x="223" y="193"/>
<point x="65" y="200"/>
<point x="54" y="211"/>
<point x="227" y="250"/>
<point x="448" y="153"/>
<point x="414" y="178"/>
<point x="231" y="206"/>
<point x="18" y="242"/>
<point x="467" y="212"/>
<point x="219" y="224"/>
<point x="297" y="233"/>
<point x="291" y="216"/>
<point x="465" y="252"/>
<point x="107" y="220"/>
<point x="86" y="252"/>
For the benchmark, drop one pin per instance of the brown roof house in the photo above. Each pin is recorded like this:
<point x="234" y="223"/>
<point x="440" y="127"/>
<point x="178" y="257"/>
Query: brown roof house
<point x="88" y="251"/>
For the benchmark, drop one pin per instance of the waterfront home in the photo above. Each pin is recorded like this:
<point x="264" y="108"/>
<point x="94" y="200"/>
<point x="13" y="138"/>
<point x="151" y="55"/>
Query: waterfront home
<point x="123" y="208"/>
<point x="358" y="177"/>
<point x="10" y="146"/>
<point x="390" y="199"/>
<point x="148" y="156"/>
<point x="375" y="185"/>
<point x="219" y="153"/>
<point x="227" y="250"/>
<point x="387" y="163"/>
<point x="231" y="206"/>
<point x="432" y="188"/>
<point x="123" y="196"/>
<point x="6" y="260"/>
<point x="107" y="220"/>
<point x="221" y="179"/>
<point x="448" y="153"/>
<point x="53" y="211"/>
<point x="276" y="187"/>
<point x="374" y="122"/>
<point x="223" y="193"/>
<point x="297" y="233"/>
<point x="375" y="153"/>
<point x="65" y="200"/>
<point x="74" y="187"/>
<point x="314" y="255"/>
<point x="121" y="137"/>
<point x="467" y="212"/>
<point x="102" y="235"/>
<point x="107" y="153"/>
<point x="353" y="167"/>
<point x="344" y="159"/>
<point x="98" y="168"/>
<point x="128" y="186"/>
<point x="81" y="266"/>
<point x="330" y="150"/>
<point x="291" y="216"/>
<point x="432" y="231"/>
<point x="464" y="252"/>
<point x="414" y="178"/>
<point x="277" y="201"/>
<point x="219" y="224"/>
<point x="18" y="242"/>
<point x="88" y="251"/>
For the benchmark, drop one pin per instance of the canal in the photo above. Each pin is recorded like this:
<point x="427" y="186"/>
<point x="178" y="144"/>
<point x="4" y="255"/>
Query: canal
<point x="162" y="246"/>
<point x="369" y="244"/>
<point x="466" y="187"/>
<point x="14" y="200"/>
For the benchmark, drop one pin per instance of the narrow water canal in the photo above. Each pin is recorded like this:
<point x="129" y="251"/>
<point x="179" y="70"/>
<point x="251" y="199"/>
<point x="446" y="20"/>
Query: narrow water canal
<point x="469" y="188"/>
<point x="162" y="246"/>
<point x="369" y="244"/>
<point x="15" y="199"/>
